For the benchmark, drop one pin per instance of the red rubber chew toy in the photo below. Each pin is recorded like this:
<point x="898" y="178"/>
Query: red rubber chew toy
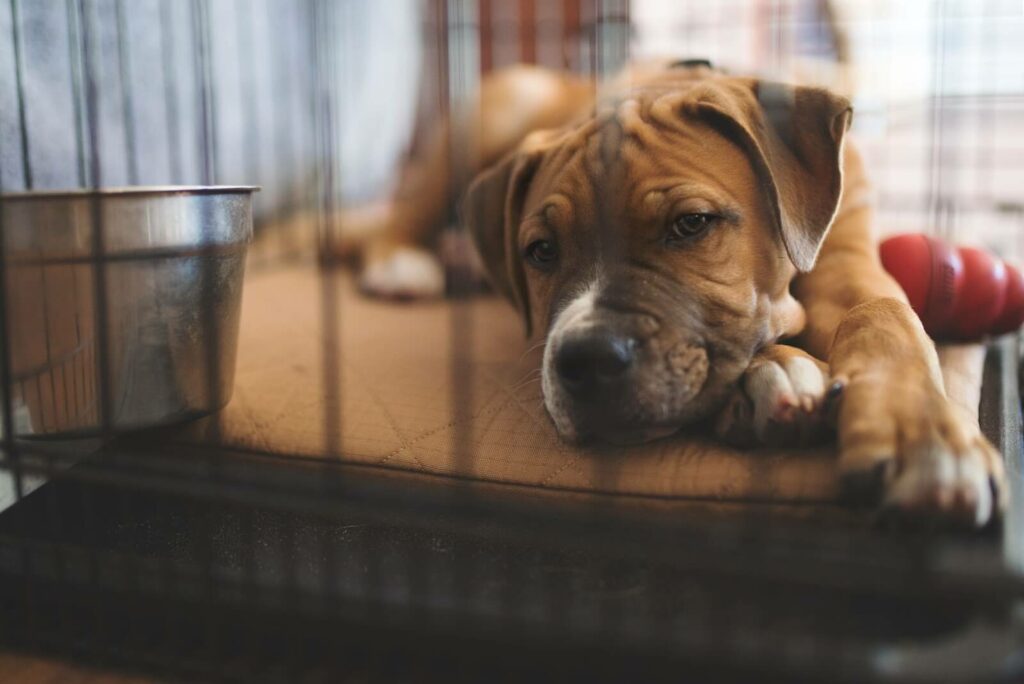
<point x="959" y="293"/>
<point x="1013" y="309"/>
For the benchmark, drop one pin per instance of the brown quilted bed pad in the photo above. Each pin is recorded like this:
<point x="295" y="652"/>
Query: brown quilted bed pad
<point x="397" y="404"/>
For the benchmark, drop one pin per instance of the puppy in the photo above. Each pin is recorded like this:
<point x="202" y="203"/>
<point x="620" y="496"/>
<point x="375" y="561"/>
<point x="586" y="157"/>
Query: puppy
<point x="665" y="235"/>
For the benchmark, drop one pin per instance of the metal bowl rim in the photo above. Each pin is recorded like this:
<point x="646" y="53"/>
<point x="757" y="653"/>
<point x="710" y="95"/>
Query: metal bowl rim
<point x="136" y="190"/>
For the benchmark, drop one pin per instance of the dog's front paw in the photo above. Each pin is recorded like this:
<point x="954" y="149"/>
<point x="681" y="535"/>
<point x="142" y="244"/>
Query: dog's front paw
<point x="403" y="272"/>
<point x="783" y="399"/>
<point x="904" y="445"/>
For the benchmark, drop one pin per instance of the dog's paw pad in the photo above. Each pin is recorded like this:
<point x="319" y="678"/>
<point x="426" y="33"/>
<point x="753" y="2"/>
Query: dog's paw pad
<point x="405" y="273"/>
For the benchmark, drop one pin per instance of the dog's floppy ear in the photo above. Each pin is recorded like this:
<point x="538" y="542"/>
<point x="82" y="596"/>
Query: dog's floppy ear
<point x="492" y="210"/>
<point x="794" y="135"/>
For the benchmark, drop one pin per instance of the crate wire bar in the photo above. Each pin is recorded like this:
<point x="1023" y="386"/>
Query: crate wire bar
<point x="202" y="561"/>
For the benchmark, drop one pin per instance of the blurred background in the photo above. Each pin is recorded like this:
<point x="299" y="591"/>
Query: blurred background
<point x="225" y="86"/>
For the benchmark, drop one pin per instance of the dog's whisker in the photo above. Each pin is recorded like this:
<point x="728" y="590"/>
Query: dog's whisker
<point x="532" y="349"/>
<point x="524" y="383"/>
<point x="527" y="375"/>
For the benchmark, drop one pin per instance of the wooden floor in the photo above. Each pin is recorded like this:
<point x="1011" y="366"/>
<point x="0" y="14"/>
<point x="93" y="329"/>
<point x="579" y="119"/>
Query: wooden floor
<point x="25" y="669"/>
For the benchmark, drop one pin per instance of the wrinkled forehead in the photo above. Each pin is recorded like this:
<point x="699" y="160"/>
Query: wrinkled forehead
<point x="618" y="161"/>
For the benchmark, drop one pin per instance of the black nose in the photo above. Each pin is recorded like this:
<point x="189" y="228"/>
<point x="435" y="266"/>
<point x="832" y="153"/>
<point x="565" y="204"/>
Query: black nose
<point x="594" y="361"/>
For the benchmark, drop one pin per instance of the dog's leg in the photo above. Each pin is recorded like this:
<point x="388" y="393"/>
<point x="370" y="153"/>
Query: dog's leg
<point x="397" y="263"/>
<point x="962" y="368"/>
<point x="512" y="103"/>
<point x="901" y="439"/>
<point x="783" y="399"/>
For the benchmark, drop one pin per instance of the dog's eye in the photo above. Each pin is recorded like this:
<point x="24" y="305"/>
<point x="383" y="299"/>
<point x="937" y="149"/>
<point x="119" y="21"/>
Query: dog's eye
<point x="688" y="226"/>
<point x="542" y="253"/>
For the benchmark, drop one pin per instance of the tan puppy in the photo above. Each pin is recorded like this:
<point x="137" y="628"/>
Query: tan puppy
<point x="665" y="238"/>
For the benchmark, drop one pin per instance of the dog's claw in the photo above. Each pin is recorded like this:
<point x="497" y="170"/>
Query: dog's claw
<point x="835" y="390"/>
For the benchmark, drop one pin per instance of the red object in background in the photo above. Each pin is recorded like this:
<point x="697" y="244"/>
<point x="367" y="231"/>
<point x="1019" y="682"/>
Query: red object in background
<point x="1013" y="308"/>
<point x="908" y="259"/>
<point x="959" y="293"/>
<point x="931" y="273"/>
<point x="982" y="296"/>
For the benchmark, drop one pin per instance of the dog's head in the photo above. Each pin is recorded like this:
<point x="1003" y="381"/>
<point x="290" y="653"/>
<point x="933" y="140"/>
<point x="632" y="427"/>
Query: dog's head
<point x="655" y="241"/>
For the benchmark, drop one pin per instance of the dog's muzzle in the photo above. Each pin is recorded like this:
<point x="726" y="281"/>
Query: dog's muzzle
<point x="603" y="381"/>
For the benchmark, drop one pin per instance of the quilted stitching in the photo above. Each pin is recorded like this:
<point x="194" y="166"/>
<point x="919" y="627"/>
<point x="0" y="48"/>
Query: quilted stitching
<point x="396" y="402"/>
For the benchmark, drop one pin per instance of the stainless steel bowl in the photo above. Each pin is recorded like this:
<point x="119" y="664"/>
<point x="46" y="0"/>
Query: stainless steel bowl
<point x="163" y="277"/>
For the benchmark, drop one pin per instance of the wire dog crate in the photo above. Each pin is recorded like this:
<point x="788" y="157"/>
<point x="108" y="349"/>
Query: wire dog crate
<point x="191" y="554"/>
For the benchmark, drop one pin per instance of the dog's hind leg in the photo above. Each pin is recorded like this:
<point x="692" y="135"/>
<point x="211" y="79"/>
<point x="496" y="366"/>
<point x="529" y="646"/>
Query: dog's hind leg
<point x="400" y="260"/>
